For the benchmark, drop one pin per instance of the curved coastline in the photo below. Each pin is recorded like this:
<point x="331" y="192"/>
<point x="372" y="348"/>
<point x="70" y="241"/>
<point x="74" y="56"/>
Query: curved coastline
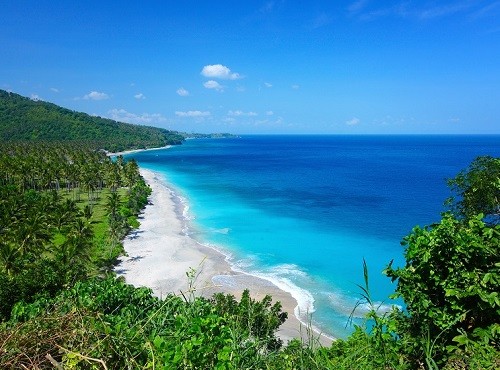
<point x="161" y="252"/>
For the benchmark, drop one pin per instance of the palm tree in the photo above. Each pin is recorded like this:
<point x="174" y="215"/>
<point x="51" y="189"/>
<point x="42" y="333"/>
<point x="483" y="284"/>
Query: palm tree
<point x="118" y="227"/>
<point x="65" y="214"/>
<point x="9" y="254"/>
<point x="76" y="247"/>
<point x="33" y="233"/>
<point x="87" y="212"/>
<point x="131" y="171"/>
<point x="113" y="204"/>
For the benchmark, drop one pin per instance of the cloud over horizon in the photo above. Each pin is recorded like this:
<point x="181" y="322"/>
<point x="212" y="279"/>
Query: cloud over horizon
<point x="122" y="115"/>
<point x="239" y="113"/>
<point x="353" y="121"/>
<point x="211" y="84"/>
<point x="219" y="71"/>
<point x="192" y="113"/>
<point x="96" y="95"/>
<point x="182" y="92"/>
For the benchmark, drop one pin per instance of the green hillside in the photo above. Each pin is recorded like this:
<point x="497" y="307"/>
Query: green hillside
<point x="24" y="119"/>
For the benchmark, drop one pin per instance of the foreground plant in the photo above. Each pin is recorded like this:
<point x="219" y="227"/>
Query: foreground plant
<point x="127" y="327"/>
<point x="450" y="286"/>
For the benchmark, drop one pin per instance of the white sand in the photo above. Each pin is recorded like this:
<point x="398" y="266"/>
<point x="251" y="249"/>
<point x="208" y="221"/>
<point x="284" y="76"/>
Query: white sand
<point x="110" y="154"/>
<point x="160" y="254"/>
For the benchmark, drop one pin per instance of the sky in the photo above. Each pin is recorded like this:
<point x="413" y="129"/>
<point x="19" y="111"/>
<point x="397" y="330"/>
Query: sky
<point x="245" y="67"/>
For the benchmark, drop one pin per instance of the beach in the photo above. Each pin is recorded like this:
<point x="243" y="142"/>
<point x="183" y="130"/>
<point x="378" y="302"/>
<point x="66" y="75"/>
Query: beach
<point x="116" y="154"/>
<point x="160" y="254"/>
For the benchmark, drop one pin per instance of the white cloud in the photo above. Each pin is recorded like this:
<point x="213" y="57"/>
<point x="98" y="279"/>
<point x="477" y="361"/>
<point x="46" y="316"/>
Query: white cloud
<point x="269" y="113"/>
<point x="267" y="84"/>
<point x="211" y="84"/>
<point x="95" y="95"/>
<point x="123" y="116"/>
<point x="192" y="113"/>
<point x="140" y="96"/>
<point x="53" y="89"/>
<point x="239" y="113"/>
<point x="219" y="71"/>
<point x="182" y="92"/>
<point x="35" y="97"/>
<point x="276" y="122"/>
<point x="295" y="87"/>
<point x="353" y="121"/>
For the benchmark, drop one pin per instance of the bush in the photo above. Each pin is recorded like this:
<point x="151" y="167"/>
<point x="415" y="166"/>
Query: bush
<point x="449" y="284"/>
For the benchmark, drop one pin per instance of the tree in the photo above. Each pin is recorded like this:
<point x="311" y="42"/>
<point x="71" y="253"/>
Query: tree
<point x="477" y="190"/>
<point x="9" y="254"/>
<point x="131" y="172"/>
<point x="75" y="251"/>
<point x="452" y="274"/>
<point x="113" y="205"/>
<point x="450" y="281"/>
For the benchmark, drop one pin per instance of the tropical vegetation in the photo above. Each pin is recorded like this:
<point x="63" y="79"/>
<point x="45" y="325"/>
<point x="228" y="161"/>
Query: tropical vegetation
<point x="64" y="209"/>
<point x="25" y="119"/>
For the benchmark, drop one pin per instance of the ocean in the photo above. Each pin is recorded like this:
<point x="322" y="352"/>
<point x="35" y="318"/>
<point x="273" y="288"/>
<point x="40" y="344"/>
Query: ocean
<point x="304" y="211"/>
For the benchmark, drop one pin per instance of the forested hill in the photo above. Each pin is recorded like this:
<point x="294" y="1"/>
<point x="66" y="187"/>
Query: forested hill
<point x="24" y="119"/>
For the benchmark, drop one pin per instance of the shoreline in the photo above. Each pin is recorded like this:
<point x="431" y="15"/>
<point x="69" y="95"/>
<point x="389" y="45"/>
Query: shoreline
<point x="159" y="255"/>
<point x="125" y="152"/>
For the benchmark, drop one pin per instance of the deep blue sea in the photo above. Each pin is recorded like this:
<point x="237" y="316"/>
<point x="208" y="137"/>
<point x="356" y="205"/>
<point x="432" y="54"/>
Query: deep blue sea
<point x="303" y="211"/>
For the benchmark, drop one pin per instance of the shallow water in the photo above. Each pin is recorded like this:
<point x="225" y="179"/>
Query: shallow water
<point x="303" y="211"/>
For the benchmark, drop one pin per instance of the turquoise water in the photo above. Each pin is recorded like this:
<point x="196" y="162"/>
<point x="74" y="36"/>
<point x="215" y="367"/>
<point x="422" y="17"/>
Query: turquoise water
<point x="303" y="211"/>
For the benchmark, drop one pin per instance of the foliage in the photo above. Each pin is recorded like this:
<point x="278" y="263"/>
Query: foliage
<point x="24" y="119"/>
<point x="449" y="284"/>
<point x="477" y="190"/>
<point x="127" y="327"/>
<point x="54" y="229"/>
<point x="255" y="319"/>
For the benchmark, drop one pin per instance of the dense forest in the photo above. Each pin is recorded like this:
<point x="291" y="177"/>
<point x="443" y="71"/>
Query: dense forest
<point x="23" y="119"/>
<point x="65" y="207"/>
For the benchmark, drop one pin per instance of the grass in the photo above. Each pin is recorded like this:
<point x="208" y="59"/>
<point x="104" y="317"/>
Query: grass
<point x="104" y="252"/>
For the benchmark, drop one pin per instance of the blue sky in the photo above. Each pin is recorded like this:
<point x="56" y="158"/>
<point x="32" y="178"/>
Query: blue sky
<point x="335" y="67"/>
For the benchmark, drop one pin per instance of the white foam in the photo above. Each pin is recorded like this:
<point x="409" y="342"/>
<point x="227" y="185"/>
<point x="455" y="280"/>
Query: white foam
<point x="280" y="276"/>
<point x="224" y="230"/>
<point x="228" y="256"/>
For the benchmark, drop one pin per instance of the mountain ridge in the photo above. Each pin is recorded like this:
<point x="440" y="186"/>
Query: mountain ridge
<point x="25" y="119"/>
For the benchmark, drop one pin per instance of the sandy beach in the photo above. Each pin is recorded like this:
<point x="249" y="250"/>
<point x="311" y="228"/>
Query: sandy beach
<point x="116" y="154"/>
<point x="160" y="253"/>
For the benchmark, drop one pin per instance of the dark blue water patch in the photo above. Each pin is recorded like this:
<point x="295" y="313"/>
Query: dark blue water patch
<point x="348" y="180"/>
